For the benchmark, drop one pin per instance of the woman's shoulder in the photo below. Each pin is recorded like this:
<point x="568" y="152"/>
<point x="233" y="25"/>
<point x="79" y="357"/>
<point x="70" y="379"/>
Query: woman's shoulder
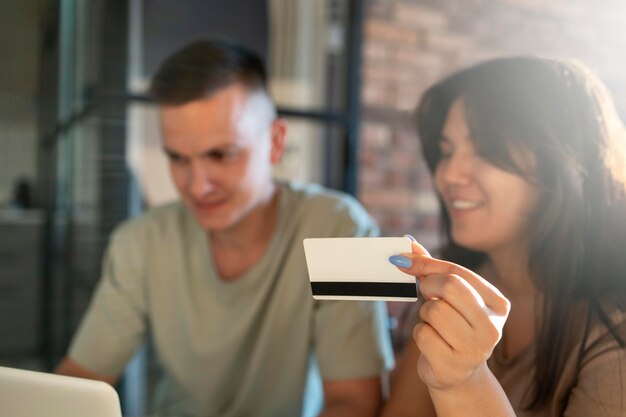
<point x="607" y="329"/>
<point x="600" y="383"/>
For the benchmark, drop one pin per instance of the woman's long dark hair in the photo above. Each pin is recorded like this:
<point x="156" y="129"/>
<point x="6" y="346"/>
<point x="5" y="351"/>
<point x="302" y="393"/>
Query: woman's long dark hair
<point x="561" y="114"/>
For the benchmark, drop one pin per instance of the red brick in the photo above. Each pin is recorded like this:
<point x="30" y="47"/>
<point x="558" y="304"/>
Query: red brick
<point x="379" y="8"/>
<point x="376" y="135"/>
<point x="374" y="51"/>
<point x="386" y="31"/>
<point x="418" y="16"/>
<point x="374" y="95"/>
<point x="387" y="199"/>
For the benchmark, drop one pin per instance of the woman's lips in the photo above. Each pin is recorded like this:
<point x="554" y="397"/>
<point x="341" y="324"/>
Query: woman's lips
<point x="458" y="207"/>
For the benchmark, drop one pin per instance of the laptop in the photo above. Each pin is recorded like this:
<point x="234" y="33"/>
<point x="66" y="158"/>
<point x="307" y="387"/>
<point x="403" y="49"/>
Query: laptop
<point x="37" y="394"/>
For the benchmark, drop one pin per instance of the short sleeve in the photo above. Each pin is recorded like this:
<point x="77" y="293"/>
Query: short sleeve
<point x="114" y="325"/>
<point x="601" y="386"/>
<point x="351" y="339"/>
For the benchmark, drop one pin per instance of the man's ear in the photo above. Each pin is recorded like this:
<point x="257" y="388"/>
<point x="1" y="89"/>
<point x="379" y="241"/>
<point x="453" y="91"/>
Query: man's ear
<point x="279" y="140"/>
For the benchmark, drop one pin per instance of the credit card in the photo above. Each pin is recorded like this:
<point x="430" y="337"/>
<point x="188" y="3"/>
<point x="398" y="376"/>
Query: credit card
<point x="358" y="269"/>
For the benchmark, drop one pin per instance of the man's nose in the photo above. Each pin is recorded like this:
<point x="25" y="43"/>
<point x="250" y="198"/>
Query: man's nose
<point x="202" y="178"/>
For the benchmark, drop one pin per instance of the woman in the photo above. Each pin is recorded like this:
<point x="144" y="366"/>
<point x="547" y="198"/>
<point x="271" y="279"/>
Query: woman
<point x="529" y="161"/>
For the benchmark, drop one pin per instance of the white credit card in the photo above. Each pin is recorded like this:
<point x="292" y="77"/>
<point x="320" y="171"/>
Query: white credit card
<point x="358" y="269"/>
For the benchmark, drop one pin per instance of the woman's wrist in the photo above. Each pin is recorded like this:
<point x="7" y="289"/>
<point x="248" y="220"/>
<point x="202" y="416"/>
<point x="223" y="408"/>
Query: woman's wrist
<point x="473" y="382"/>
<point x="479" y="395"/>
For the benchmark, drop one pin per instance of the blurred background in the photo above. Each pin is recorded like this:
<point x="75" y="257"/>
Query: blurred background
<point x="80" y="148"/>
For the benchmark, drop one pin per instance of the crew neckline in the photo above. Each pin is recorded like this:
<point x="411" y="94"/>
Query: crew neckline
<point x="249" y="278"/>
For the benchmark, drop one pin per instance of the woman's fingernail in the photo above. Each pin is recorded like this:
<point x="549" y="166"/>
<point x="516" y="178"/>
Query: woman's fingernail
<point x="402" y="261"/>
<point x="411" y="237"/>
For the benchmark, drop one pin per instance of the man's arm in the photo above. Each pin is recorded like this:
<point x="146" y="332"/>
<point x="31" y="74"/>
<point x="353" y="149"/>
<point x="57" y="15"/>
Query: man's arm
<point x="114" y="324"/>
<point x="70" y="367"/>
<point x="409" y="395"/>
<point x="355" y="397"/>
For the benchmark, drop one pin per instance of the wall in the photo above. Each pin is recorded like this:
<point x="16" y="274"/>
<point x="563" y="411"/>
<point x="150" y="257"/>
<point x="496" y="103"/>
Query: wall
<point x="409" y="44"/>
<point x="19" y="47"/>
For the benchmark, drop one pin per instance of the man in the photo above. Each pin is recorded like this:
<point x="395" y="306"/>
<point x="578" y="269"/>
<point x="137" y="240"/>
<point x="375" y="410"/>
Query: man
<point x="219" y="281"/>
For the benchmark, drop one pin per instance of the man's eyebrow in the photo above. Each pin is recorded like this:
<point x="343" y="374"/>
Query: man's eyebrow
<point x="171" y="153"/>
<point x="213" y="151"/>
<point x="218" y="151"/>
<point x="208" y="152"/>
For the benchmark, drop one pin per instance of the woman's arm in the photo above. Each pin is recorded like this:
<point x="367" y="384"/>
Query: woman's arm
<point x="461" y="321"/>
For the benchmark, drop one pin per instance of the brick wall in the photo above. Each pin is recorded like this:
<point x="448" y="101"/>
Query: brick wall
<point x="409" y="44"/>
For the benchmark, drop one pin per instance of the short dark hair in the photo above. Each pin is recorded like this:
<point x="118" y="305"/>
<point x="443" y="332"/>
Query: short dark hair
<point x="203" y="67"/>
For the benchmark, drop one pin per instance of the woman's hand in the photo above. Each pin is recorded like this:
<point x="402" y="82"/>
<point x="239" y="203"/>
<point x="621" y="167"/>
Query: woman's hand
<point x="461" y="319"/>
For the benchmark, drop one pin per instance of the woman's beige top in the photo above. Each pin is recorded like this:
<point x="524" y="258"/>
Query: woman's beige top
<point x="599" y="388"/>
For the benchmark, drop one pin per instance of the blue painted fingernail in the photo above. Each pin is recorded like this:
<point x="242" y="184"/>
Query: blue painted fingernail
<point x="402" y="261"/>
<point x="411" y="237"/>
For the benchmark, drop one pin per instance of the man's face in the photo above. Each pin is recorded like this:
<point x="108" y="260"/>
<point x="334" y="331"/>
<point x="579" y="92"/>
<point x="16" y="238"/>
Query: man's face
<point x="221" y="151"/>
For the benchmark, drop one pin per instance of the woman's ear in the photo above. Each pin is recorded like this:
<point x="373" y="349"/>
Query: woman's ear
<point x="279" y="140"/>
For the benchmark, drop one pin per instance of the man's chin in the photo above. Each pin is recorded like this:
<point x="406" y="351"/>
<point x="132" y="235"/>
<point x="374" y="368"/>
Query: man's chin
<point x="214" y="224"/>
<point x="212" y="218"/>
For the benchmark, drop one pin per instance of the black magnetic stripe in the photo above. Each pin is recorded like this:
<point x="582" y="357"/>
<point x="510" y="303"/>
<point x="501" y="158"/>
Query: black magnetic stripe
<point x="365" y="289"/>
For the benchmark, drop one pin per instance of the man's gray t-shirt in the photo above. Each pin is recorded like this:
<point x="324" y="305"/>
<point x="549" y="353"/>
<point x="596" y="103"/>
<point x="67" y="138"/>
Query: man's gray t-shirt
<point x="237" y="348"/>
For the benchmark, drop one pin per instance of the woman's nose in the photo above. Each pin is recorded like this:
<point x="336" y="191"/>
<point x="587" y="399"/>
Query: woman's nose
<point x="456" y="169"/>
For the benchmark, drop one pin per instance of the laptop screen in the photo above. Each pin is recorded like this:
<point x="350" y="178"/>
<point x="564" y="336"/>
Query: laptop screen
<point x="37" y="394"/>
